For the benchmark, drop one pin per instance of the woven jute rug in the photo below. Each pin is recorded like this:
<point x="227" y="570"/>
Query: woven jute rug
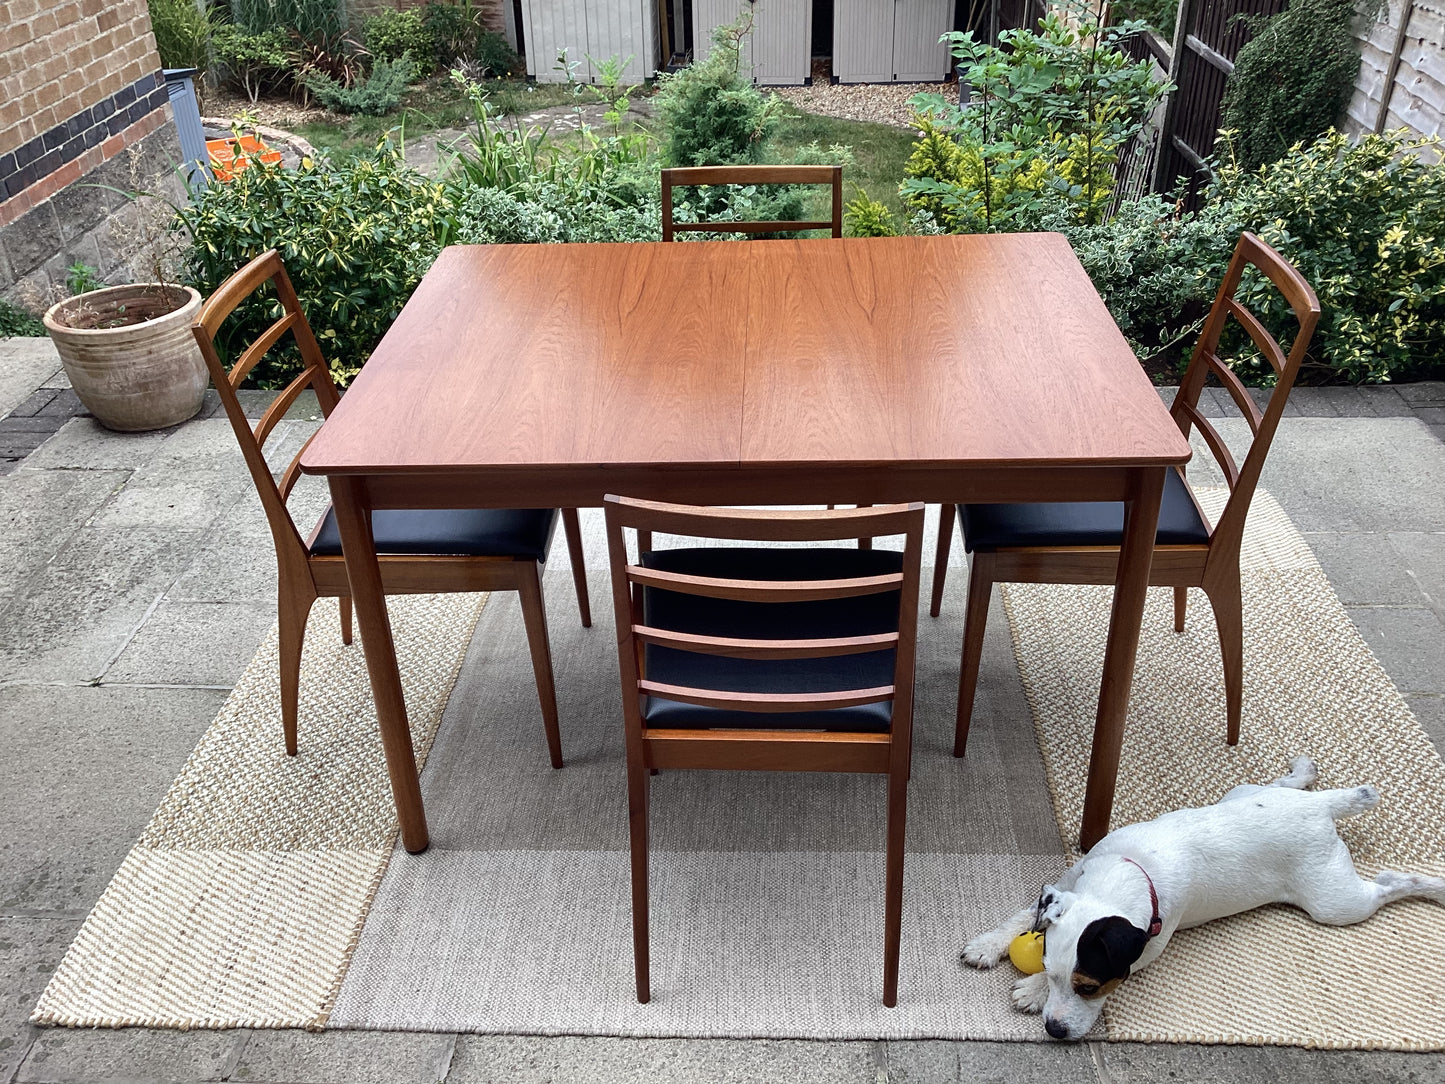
<point x="242" y="902"/>
<point x="280" y="901"/>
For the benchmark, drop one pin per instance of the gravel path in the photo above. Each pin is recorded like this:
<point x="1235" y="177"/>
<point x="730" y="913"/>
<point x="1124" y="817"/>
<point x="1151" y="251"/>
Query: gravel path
<point x="882" y="103"/>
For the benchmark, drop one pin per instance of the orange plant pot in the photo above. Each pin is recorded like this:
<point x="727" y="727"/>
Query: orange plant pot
<point x="226" y="162"/>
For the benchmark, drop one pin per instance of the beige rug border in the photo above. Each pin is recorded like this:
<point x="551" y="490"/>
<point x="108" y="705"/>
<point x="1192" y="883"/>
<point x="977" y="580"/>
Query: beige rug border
<point x="76" y="995"/>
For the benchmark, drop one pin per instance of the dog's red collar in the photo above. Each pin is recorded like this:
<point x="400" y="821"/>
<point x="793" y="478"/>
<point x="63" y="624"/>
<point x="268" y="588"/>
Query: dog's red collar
<point x="1155" y="922"/>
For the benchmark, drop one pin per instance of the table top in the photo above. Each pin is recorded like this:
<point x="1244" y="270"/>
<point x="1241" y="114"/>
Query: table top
<point x="958" y="351"/>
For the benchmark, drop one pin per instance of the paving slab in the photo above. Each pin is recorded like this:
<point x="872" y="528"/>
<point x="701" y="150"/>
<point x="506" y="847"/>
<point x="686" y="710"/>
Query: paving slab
<point x="344" y="1057"/>
<point x="521" y="1059"/>
<point x="1423" y="559"/>
<point x="30" y="948"/>
<point x="85" y="1056"/>
<point x="937" y="1062"/>
<point x="85" y="444"/>
<point x="84" y="770"/>
<point x="41" y="511"/>
<point x="1430" y="710"/>
<point x="1136" y="1063"/>
<point x="1365" y="569"/>
<point x="82" y="608"/>
<point x="190" y="476"/>
<point x="25" y="364"/>
<point x="194" y="643"/>
<point x="1409" y="642"/>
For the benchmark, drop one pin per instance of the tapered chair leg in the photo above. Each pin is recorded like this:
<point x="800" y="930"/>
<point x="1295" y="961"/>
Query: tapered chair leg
<point x="980" y="587"/>
<point x="1181" y="605"/>
<point x="946" y="516"/>
<point x="893" y="885"/>
<point x="637" y="788"/>
<point x="1228" y="604"/>
<point x="292" y="610"/>
<point x="534" y="616"/>
<point x="573" y="529"/>
<point x="345" y="606"/>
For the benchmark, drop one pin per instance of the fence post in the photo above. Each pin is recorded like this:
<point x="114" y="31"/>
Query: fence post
<point x="1164" y="154"/>
<point x="1387" y="89"/>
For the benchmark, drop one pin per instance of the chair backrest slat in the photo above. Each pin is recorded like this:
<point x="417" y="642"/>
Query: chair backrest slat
<point x="740" y="648"/>
<point x="257" y="350"/>
<point x="712" y="175"/>
<point x="774" y="525"/>
<point x="769" y="703"/>
<point x="764" y="590"/>
<point x="1228" y="532"/>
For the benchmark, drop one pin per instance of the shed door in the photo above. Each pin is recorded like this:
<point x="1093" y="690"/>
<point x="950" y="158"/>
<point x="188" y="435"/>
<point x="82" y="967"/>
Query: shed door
<point x="890" y="41"/>
<point x="597" y="28"/>
<point x="779" y="50"/>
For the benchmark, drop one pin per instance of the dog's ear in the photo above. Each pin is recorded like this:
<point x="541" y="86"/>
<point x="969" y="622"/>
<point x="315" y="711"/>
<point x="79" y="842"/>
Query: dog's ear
<point x="1053" y="902"/>
<point x="1106" y="950"/>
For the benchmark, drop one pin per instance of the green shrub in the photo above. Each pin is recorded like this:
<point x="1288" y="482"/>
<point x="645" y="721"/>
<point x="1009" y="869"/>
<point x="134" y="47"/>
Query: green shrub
<point x="1365" y="224"/>
<point x="494" y="54"/>
<point x="866" y="217"/>
<point x="378" y="95"/>
<point x="454" y="30"/>
<point x="1292" y="80"/>
<point x="308" y="18"/>
<point x="256" y="61"/>
<point x="391" y="33"/>
<point x="183" y="33"/>
<point x="15" y="321"/>
<point x="356" y="237"/>
<point x="1051" y="111"/>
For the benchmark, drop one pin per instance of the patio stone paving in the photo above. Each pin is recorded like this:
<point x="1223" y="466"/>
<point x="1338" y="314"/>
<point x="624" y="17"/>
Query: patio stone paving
<point x="136" y="576"/>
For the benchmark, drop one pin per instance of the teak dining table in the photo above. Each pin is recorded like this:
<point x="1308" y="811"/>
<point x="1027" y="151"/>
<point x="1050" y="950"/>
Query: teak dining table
<point x="879" y="370"/>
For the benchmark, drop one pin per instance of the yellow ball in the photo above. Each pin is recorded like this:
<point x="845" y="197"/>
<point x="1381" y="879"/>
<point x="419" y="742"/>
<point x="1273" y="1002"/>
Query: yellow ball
<point x="1027" y="952"/>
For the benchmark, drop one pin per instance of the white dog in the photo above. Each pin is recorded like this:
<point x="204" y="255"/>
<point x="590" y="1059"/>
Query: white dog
<point x="1115" y="910"/>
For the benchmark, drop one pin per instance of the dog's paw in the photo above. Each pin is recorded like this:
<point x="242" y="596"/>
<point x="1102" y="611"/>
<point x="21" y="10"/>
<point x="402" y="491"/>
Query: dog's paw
<point x="987" y="949"/>
<point x="1031" y="992"/>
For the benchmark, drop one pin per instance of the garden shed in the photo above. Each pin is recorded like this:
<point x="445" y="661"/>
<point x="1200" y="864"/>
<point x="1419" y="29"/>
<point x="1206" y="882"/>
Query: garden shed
<point x="870" y="41"/>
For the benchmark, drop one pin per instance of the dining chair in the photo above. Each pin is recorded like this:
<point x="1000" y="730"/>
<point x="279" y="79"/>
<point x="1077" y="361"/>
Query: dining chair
<point x="1080" y="542"/>
<point x="709" y="175"/>
<point x="420" y="552"/>
<point x="766" y="659"/>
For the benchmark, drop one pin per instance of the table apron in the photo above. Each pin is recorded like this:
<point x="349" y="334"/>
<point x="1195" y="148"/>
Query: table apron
<point x="584" y="488"/>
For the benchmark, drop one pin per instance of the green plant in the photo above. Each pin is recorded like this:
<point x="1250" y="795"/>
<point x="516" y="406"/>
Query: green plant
<point x="392" y="33"/>
<point x="494" y="54"/>
<point x="81" y="278"/>
<point x="1365" y="224"/>
<point x="1292" y="80"/>
<point x="865" y="217"/>
<point x="1161" y="15"/>
<point x="338" y="56"/>
<point x="183" y="33"/>
<point x="15" y="321"/>
<point x="256" y="61"/>
<point x="1049" y="114"/>
<point x="307" y="18"/>
<point x="380" y="94"/>
<point x="356" y="237"/>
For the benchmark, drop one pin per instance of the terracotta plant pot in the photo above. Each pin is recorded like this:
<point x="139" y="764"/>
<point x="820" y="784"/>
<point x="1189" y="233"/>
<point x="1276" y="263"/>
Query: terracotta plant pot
<point x="130" y="354"/>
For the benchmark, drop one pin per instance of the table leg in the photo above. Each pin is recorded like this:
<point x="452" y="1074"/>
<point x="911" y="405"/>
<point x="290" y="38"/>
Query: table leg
<point x="348" y="497"/>
<point x="1136" y="555"/>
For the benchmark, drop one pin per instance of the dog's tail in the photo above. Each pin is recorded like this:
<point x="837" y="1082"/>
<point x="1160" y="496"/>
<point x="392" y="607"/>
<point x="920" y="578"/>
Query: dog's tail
<point x="1348" y="801"/>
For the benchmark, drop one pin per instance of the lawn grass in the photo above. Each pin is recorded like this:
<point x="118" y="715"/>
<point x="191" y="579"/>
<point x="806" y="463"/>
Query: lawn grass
<point x="879" y="153"/>
<point x="430" y="106"/>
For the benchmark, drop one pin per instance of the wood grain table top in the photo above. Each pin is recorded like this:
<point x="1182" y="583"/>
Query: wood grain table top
<point x="967" y="352"/>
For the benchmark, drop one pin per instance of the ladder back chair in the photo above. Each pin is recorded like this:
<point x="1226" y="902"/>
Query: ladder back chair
<point x="709" y="175"/>
<point x="1080" y="542"/>
<point x="771" y="659"/>
<point x="420" y="552"/>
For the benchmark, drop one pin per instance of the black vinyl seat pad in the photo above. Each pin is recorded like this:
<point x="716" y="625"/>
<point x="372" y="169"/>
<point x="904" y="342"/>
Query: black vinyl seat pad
<point x="858" y="616"/>
<point x="450" y="532"/>
<point x="1079" y="523"/>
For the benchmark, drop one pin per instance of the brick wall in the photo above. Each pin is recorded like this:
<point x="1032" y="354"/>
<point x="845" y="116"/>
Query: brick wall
<point x="80" y="84"/>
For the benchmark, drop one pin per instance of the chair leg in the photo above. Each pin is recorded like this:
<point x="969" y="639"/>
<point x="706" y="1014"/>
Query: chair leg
<point x="637" y="788"/>
<point x="946" y="515"/>
<point x="345" y="605"/>
<point x="893" y="886"/>
<point x="294" y="606"/>
<point x="573" y="529"/>
<point x="980" y="587"/>
<point x="1181" y="604"/>
<point x="534" y="615"/>
<point x="1228" y="604"/>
